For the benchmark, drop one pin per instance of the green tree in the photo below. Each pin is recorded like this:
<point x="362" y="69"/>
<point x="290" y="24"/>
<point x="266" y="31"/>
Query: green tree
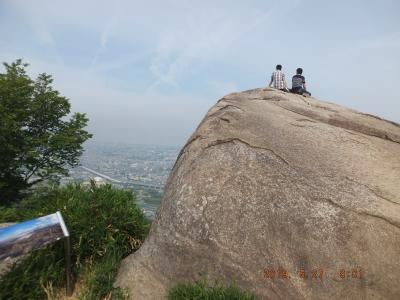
<point x="37" y="140"/>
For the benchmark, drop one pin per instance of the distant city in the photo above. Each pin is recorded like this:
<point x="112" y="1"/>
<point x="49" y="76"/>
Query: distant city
<point x="143" y="169"/>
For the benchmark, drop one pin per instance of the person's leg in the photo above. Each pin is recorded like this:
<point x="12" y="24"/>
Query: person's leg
<point x="297" y="90"/>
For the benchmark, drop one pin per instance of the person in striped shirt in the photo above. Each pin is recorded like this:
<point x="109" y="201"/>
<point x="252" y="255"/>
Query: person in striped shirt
<point x="278" y="79"/>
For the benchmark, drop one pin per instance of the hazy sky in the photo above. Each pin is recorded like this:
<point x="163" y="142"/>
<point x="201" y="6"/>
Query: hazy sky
<point x="146" y="72"/>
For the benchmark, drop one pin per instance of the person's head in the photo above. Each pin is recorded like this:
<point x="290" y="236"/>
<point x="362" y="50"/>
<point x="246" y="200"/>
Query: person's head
<point x="299" y="71"/>
<point x="279" y="67"/>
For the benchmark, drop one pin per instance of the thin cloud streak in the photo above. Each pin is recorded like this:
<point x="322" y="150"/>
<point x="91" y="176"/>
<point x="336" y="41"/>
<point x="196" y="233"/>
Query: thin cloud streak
<point x="214" y="36"/>
<point x="105" y="34"/>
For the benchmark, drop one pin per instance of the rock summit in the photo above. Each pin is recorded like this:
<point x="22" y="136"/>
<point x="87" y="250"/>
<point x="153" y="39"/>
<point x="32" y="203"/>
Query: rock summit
<point x="289" y="197"/>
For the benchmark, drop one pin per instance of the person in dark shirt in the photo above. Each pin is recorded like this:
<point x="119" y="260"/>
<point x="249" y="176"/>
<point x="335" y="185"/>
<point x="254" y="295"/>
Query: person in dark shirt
<point x="299" y="83"/>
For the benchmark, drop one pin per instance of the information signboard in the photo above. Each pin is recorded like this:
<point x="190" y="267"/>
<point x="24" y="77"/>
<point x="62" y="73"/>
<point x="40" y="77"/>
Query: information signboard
<point x="21" y="238"/>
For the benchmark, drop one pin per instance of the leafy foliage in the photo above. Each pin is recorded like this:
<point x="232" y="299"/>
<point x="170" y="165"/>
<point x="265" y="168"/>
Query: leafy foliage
<point x="105" y="225"/>
<point x="37" y="141"/>
<point x="201" y="291"/>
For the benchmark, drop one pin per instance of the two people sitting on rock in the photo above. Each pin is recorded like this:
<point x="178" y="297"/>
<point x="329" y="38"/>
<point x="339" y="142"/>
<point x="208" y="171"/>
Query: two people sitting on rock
<point x="298" y="82"/>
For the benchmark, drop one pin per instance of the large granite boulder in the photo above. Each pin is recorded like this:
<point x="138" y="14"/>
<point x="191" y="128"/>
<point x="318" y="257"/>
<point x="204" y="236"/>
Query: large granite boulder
<point x="289" y="197"/>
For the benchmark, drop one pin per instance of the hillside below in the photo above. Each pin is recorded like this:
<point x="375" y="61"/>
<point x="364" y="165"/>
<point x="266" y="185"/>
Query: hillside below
<point x="289" y="197"/>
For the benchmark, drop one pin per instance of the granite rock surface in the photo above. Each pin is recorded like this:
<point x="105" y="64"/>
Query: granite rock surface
<point x="289" y="197"/>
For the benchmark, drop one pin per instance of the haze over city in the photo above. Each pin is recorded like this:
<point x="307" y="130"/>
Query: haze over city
<point x="147" y="72"/>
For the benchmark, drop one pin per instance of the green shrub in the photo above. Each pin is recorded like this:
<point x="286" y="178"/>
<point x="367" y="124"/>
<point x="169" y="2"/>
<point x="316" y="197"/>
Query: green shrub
<point x="104" y="224"/>
<point x="8" y="214"/>
<point x="201" y="291"/>
<point x="99" y="279"/>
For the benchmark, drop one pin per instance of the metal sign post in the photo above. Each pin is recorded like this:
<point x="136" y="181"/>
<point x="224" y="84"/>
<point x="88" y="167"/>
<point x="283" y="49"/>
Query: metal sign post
<point x="67" y="254"/>
<point x="69" y="287"/>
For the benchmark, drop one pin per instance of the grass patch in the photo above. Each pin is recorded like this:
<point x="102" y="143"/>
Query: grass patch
<point x="201" y="291"/>
<point x="99" y="279"/>
<point x="105" y="225"/>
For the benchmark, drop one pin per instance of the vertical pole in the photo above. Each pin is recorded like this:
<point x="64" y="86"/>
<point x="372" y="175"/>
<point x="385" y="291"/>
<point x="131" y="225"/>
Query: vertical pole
<point x="67" y="244"/>
<point x="68" y="265"/>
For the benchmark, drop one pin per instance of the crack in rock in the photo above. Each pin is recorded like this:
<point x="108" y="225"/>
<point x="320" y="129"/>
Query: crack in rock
<point x="302" y="126"/>
<point x="360" y="212"/>
<point x="183" y="150"/>
<point x="225" y="119"/>
<point x="273" y="99"/>
<point x="306" y="120"/>
<point x="230" y="105"/>
<point x="222" y="109"/>
<point x="372" y="190"/>
<point x="339" y="124"/>
<point x="199" y="136"/>
<point x="230" y="140"/>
